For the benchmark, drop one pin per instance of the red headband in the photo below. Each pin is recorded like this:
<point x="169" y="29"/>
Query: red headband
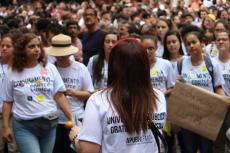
<point x="127" y="39"/>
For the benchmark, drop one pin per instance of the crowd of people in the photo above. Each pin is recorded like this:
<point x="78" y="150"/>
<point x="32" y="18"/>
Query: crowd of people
<point x="109" y="68"/>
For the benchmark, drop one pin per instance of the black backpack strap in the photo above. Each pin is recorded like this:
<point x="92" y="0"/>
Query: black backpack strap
<point x="209" y="66"/>
<point x="179" y="66"/>
<point x="157" y="135"/>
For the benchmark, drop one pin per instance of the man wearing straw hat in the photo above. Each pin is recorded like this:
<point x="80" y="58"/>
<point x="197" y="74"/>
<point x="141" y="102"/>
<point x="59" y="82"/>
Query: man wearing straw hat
<point x="78" y="85"/>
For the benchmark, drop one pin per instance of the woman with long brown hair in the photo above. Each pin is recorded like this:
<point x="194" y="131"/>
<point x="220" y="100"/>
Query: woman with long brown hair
<point x="120" y="114"/>
<point x="32" y="90"/>
<point x="7" y="46"/>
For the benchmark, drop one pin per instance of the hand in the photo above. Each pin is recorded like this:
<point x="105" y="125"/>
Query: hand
<point x="180" y="78"/>
<point x="7" y="135"/>
<point x="70" y="92"/>
<point x="75" y="130"/>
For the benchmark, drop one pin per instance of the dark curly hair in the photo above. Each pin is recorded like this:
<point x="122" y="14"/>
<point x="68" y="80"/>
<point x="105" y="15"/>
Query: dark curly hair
<point x="19" y="56"/>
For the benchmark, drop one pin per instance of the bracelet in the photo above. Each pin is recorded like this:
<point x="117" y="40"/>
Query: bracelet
<point x="74" y="138"/>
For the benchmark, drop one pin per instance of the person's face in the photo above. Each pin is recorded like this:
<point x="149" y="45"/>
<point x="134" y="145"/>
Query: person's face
<point x="90" y="17"/>
<point x="176" y="19"/>
<point x="150" y="47"/>
<point x="110" y="40"/>
<point x="145" y="29"/>
<point x="162" y="28"/>
<point x="126" y="12"/>
<point x="223" y="41"/>
<point x="173" y="44"/>
<point x="33" y="49"/>
<point x="224" y="15"/>
<point x="136" y="20"/>
<point x="123" y="30"/>
<point x="193" y="45"/>
<point x="208" y="23"/>
<point x="213" y="12"/>
<point x="107" y="17"/>
<point x="72" y="30"/>
<point x="219" y="27"/>
<point x="188" y="20"/>
<point x="113" y="9"/>
<point x="62" y="59"/>
<point x="39" y="7"/>
<point x="203" y="14"/>
<point x="6" y="47"/>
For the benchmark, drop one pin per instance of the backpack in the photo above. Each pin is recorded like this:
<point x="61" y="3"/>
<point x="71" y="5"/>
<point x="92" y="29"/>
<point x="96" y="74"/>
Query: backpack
<point x="208" y="64"/>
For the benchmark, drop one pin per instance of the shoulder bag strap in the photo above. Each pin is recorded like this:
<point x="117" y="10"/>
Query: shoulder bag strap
<point x="209" y="66"/>
<point x="179" y="66"/>
<point x="157" y="135"/>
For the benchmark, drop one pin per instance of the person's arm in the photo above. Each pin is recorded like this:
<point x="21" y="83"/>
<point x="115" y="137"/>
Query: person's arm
<point x="82" y="95"/>
<point x="87" y="147"/>
<point x="218" y="79"/>
<point x="62" y="102"/>
<point x="7" y="132"/>
<point x="82" y="146"/>
<point x="86" y="89"/>
<point x="90" y="134"/>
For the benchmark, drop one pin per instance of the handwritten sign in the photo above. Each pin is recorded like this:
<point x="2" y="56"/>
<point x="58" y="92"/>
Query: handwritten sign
<point x="197" y="110"/>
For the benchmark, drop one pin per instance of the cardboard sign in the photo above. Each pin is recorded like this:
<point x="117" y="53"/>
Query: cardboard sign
<point x="197" y="110"/>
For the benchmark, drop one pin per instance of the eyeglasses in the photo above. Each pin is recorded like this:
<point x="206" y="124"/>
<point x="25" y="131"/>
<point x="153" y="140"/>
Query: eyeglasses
<point x="219" y="30"/>
<point x="222" y="39"/>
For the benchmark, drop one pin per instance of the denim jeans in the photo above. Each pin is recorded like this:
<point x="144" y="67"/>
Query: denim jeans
<point x="191" y="142"/>
<point x="32" y="138"/>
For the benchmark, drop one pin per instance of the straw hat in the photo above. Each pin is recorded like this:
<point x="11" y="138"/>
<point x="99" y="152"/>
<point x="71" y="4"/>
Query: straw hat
<point x="61" y="46"/>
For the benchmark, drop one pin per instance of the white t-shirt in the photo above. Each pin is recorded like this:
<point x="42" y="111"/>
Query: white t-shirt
<point x="162" y="75"/>
<point x="76" y="76"/>
<point x="160" y="49"/>
<point x="32" y="91"/>
<point x="3" y="70"/>
<point x="212" y="50"/>
<point x="103" y="83"/>
<point x="199" y="75"/>
<point x="225" y="71"/>
<point x="174" y="65"/>
<point x="207" y="3"/>
<point x="102" y="125"/>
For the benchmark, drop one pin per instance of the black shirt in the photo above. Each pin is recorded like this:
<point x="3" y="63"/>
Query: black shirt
<point x="92" y="44"/>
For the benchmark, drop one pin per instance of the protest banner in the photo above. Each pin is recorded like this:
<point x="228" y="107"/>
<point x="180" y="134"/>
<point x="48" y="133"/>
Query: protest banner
<point x="197" y="110"/>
